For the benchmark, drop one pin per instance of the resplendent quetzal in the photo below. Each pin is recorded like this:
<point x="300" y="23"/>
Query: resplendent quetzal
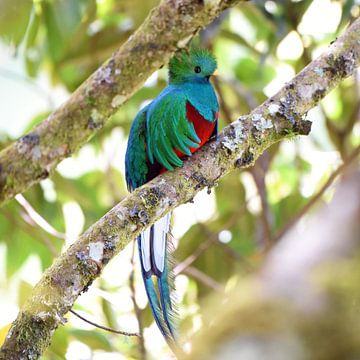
<point x="174" y="125"/>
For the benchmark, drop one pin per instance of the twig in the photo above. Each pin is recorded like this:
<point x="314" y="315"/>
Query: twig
<point x="264" y="237"/>
<point x="204" y="279"/>
<point x="136" y="306"/>
<point x="37" y="218"/>
<point x="240" y="91"/>
<point x="27" y="228"/>
<point x="119" y="332"/>
<point x="239" y="40"/>
<point x="179" y="268"/>
<point x="223" y="105"/>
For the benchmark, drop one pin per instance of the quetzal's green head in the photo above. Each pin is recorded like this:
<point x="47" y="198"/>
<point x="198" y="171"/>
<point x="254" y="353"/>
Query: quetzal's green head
<point x="197" y="65"/>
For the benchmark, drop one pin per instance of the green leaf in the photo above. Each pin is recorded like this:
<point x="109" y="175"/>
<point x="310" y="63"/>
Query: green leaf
<point x="59" y="344"/>
<point x="93" y="338"/>
<point x="14" y="17"/>
<point x="68" y="29"/>
<point x="23" y="239"/>
<point x="36" y="120"/>
<point x="263" y="27"/>
<point x="24" y="292"/>
<point x="33" y="54"/>
<point x="3" y="332"/>
<point x="254" y="74"/>
<point x="109" y="313"/>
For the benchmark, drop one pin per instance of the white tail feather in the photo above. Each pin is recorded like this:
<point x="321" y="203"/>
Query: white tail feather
<point x="145" y="249"/>
<point x="160" y="230"/>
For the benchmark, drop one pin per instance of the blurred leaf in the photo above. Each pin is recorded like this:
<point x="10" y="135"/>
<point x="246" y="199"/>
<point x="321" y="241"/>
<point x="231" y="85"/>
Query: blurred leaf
<point x="263" y="27"/>
<point x="32" y="52"/>
<point x="347" y="5"/>
<point x="82" y="190"/>
<point x="3" y="332"/>
<point x="22" y="239"/>
<point x="62" y="31"/>
<point x="137" y="10"/>
<point x="190" y="242"/>
<point x="333" y="106"/>
<point x="286" y="208"/>
<point x="146" y="316"/>
<point x="14" y="17"/>
<point x="59" y="343"/>
<point x="252" y="74"/>
<point x="93" y="338"/>
<point x="24" y="292"/>
<point x="229" y="201"/>
<point x="36" y="120"/>
<point x="109" y="313"/>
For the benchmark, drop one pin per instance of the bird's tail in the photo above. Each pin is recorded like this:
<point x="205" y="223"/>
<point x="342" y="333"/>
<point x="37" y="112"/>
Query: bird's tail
<point x="156" y="265"/>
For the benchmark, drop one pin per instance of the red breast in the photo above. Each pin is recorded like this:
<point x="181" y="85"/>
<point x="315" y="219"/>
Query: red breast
<point x="203" y="128"/>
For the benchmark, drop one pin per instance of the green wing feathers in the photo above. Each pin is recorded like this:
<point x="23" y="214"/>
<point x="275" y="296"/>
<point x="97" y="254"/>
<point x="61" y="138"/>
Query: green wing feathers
<point x="169" y="129"/>
<point x="135" y="159"/>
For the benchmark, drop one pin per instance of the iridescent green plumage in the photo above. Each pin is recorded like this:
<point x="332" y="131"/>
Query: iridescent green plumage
<point x="163" y="124"/>
<point x="182" y="68"/>
<point x="175" y="124"/>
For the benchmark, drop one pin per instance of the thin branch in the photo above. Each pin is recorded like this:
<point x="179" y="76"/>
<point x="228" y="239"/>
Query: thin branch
<point x="119" y="332"/>
<point x="181" y="267"/>
<point x="223" y="105"/>
<point x="264" y="236"/>
<point x="37" y="218"/>
<point x="240" y="91"/>
<point x="136" y="306"/>
<point x="29" y="229"/>
<point x="204" y="279"/>
<point x="238" y="146"/>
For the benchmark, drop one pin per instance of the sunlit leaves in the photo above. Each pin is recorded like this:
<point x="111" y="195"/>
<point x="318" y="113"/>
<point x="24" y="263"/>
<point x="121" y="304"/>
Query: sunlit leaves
<point x="3" y="332"/>
<point x="14" y="17"/>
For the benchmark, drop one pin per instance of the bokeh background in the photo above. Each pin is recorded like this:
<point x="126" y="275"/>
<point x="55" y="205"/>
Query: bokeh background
<point x="47" y="48"/>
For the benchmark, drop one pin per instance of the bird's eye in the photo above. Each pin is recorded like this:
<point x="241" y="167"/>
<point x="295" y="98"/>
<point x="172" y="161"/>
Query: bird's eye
<point x="197" y="69"/>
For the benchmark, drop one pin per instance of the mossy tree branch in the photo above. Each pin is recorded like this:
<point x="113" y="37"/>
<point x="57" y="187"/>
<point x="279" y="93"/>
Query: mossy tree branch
<point x="238" y="146"/>
<point x="169" y="27"/>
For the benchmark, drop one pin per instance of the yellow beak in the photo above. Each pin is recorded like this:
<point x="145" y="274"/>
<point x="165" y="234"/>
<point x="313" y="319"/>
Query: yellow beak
<point x="216" y="72"/>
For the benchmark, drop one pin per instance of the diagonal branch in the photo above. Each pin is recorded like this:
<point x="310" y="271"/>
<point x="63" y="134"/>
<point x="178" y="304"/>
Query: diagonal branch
<point x="238" y="146"/>
<point x="169" y="27"/>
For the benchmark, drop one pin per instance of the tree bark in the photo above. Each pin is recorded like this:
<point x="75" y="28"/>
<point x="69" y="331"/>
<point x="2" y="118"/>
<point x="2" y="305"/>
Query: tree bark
<point x="169" y="27"/>
<point x="238" y="146"/>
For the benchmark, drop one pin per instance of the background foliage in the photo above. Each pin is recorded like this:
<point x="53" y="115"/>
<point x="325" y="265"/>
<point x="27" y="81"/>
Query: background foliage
<point x="47" y="48"/>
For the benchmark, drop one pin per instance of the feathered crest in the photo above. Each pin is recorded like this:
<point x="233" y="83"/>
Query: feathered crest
<point x="196" y="63"/>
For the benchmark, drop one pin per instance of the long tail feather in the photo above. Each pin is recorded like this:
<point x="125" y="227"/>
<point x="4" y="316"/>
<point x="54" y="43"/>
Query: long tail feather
<point x="154" y="244"/>
<point x="166" y="304"/>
